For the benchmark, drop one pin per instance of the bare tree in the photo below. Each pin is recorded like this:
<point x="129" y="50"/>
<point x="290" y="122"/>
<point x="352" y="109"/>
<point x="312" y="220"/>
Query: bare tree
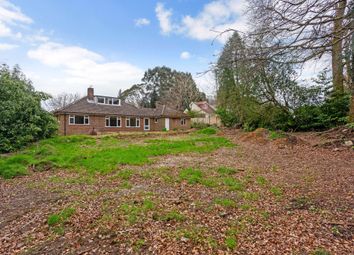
<point x="61" y="100"/>
<point x="183" y="93"/>
<point x="308" y="29"/>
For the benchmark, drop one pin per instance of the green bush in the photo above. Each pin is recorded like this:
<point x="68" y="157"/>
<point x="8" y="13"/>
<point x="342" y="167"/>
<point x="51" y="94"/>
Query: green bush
<point x="228" y="118"/>
<point x="22" y="119"/>
<point x="331" y="112"/>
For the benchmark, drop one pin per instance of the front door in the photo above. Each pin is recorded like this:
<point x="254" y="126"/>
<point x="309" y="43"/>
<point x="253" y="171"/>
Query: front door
<point x="167" y="124"/>
<point x="146" y="124"/>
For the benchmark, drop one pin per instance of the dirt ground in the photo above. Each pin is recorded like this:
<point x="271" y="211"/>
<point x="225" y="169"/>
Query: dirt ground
<point x="298" y="198"/>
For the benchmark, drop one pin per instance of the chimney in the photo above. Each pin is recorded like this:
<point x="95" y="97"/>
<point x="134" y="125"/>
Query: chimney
<point x="90" y="94"/>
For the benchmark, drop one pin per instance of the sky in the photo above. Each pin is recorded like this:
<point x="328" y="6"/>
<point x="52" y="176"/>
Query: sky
<point x="69" y="45"/>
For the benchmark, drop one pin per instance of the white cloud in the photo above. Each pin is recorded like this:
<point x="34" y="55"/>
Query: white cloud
<point x="164" y="16"/>
<point x="206" y="83"/>
<point x="11" y="15"/>
<point x="82" y="67"/>
<point x="4" y="30"/>
<point x="142" y="22"/>
<point x="215" y="17"/>
<point x="7" y="46"/>
<point x="185" y="55"/>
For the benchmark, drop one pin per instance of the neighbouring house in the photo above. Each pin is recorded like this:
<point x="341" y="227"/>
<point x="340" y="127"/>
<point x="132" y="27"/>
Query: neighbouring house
<point x="99" y="114"/>
<point x="205" y="113"/>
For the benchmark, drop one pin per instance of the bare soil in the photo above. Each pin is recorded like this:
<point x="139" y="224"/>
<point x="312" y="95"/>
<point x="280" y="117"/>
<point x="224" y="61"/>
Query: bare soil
<point x="305" y="204"/>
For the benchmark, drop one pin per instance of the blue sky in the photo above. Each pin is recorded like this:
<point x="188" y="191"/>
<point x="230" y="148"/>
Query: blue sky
<point x="67" y="45"/>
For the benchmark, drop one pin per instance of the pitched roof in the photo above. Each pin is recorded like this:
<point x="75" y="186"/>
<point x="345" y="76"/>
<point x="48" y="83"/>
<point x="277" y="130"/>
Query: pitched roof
<point x="84" y="106"/>
<point x="205" y="107"/>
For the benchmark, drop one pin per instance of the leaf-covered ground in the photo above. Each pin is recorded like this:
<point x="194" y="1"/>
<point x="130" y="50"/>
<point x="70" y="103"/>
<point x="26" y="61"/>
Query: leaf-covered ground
<point x="261" y="196"/>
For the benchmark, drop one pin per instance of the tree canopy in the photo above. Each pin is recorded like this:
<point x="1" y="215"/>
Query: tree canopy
<point x="165" y="86"/>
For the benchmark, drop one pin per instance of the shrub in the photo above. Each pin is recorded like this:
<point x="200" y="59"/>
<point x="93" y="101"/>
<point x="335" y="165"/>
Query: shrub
<point x="22" y="119"/>
<point x="228" y="118"/>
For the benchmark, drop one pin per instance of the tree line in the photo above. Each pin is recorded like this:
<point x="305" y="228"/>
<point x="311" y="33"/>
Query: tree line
<point x="257" y="72"/>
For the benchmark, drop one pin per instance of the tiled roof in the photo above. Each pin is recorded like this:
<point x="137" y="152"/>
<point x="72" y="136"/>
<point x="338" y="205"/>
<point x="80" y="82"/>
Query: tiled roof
<point x="205" y="107"/>
<point x="86" y="107"/>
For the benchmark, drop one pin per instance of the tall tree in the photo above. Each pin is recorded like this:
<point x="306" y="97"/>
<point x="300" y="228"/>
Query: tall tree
<point x="166" y="86"/>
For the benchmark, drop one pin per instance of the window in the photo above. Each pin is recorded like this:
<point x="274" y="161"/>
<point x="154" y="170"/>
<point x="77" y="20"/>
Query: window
<point x="133" y="122"/>
<point x="183" y="122"/>
<point x="156" y="120"/>
<point x="79" y="120"/>
<point x="100" y="100"/>
<point x="108" y="100"/>
<point x="113" y="121"/>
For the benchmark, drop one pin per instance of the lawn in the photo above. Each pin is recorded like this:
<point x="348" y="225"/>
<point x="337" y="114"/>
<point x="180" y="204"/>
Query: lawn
<point x="102" y="154"/>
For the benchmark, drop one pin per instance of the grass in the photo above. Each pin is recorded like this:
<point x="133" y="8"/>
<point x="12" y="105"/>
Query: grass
<point x="320" y="251"/>
<point x="138" y="244"/>
<point x="273" y="135"/>
<point x="191" y="175"/>
<point x="226" y="170"/>
<point x="173" y="215"/>
<point x="231" y="242"/>
<point x="208" y="131"/>
<point x="230" y="239"/>
<point x="196" y="235"/>
<point x="125" y="174"/>
<point x="233" y="184"/>
<point x="276" y="191"/>
<point x="101" y="154"/>
<point x="61" y="217"/>
<point x="135" y="212"/>
<point x="261" y="180"/>
<point x="225" y="202"/>
<point x="251" y="196"/>
<point x="57" y="221"/>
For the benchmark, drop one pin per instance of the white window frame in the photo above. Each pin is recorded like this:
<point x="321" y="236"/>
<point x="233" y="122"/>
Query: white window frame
<point x="119" y="121"/>
<point x="73" y="117"/>
<point x="108" y="100"/>
<point x="183" y="122"/>
<point x="127" y="122"/>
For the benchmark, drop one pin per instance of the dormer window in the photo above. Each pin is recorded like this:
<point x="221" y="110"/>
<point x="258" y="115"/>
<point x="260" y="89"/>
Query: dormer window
<point x="100" y="100"/>
<point x="108" y="100"/>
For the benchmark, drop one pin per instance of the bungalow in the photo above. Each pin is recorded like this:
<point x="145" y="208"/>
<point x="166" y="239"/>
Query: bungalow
<point x="100" y="114"/>
<point x="206" y="113"/>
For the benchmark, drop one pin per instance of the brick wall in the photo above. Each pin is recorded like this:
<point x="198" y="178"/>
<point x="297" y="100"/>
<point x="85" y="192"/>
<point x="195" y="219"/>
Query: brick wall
<point x="98" y="123"/>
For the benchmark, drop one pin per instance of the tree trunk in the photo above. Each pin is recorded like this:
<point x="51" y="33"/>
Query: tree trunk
<point x="337" y="65"/>
<point x="350" y="67"/>
<point x="351" y="82"/>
